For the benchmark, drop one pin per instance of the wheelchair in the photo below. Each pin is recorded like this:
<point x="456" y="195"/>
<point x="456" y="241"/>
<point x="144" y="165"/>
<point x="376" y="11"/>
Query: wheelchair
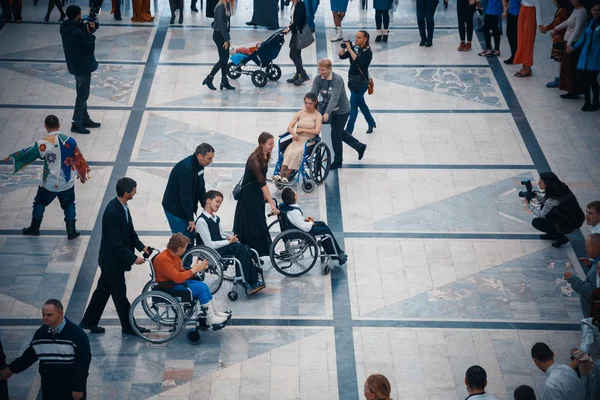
<point x="222" y="266"/>
<point x="314" y="167"/>
<point x="294" y="252"/>
<point x="168" y="310"/>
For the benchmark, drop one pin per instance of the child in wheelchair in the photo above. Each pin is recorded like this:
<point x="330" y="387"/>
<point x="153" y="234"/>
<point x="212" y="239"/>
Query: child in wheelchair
<point x="304" y="126"/>
<point x="208" y="228"/>
<point x="308" y="224"/>
<point x="170" y="272"/>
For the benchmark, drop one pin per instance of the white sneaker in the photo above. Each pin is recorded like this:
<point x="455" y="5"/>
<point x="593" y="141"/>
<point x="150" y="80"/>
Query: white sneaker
<point x="338" y="34"/>
<point x="284" y="180"/>
<point x="276" y="178"/>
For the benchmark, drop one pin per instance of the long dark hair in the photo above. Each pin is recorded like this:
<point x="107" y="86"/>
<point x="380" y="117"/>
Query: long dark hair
<point x="258" y="152"/>
<point x="555" y="188"/>
<point x="366" y="35"/>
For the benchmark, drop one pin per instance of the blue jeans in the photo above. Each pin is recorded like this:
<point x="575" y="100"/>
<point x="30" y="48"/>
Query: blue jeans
<point x="179" y="225"/>
<point x="311" y="10"/>
<point x="44" y="197"/>
<point x="200" y="290"/>
<point x="357" y="100"/>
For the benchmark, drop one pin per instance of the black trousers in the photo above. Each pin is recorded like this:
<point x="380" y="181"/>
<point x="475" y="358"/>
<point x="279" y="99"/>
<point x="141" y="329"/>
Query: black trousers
<point x="57" y="389"/>
<point x="590" y="84"/>
<point x="490" y="24"/>
<point x="82" y="86"/>
<point x="58" y="3"/>
<point x="382" y="16"/>
<point x="425" y="12"/>
<point x="511" y="33"/>
<point x="176" y="4"/>
<point x="111" y="283"/>
<point x="240" y="252"/>
<point x="321" y="228"/>
<point x="223" y="56"/>
<point x="339" y="135"/>
<point x="465" y="12"/>
<point x="9" y="12"/>
<point x="296" y="55"/>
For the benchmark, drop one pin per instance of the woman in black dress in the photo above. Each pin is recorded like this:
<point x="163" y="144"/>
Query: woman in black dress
<point x="250" y="223"/>
<point x="264" y="13"/>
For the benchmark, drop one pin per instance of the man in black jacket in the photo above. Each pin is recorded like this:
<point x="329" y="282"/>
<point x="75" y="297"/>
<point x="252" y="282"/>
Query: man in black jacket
<point x="185" y="189"/>
<point x="63" y="350"/>
<point x="79" y="45"/>
<point x="116" y="256"/>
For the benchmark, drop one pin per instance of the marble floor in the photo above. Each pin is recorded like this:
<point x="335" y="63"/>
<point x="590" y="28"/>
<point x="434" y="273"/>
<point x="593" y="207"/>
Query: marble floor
<point x="444" y="271"/>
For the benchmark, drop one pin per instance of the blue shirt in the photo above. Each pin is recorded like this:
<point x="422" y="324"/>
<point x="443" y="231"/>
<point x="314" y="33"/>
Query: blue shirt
<point x="494" y="7"/>
<point x="562" y="383"/>
<point x="514" y="6"/>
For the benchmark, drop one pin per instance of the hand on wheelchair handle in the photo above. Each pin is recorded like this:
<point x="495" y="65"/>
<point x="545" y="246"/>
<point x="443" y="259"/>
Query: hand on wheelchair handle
<point x="149" y="253"/>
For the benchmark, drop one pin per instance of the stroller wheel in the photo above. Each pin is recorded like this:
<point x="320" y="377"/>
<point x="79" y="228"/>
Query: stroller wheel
<point x="233" y="71"/>
<point x="259" y="78"/>
<point x="273" y="72"/>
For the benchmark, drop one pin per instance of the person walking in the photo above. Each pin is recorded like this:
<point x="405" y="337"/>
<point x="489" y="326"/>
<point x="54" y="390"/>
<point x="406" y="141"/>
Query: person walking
<point x="116" y="257"/>
<point x="250" y="223"/>
<point x="59" y="6"/>
<point x="63" y="162"/>
<point x="512" y="20"/>
<point x="425" y="12"/>
<point x="335" y="109"/>
<point x="465" y="9"/>
<point x="589" y="61"/>
<point x="63" y="350"/>
<point x="185" y="189"/>
<point x="382" y="19"/>
<point x="530" y="16"/>
<point x="338" y="9"/>
<point x="79" y="44"/>
<point x="297" y="24"/>
<point x="311" y="10"/>
<point x="221" y="27"/>
<point x="360" y="56"/>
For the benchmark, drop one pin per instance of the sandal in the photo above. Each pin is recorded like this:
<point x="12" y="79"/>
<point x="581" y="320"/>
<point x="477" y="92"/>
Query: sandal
<point x="520" y="75"/>
<point x="496" y="53"/>
<point x="485" y="53"/>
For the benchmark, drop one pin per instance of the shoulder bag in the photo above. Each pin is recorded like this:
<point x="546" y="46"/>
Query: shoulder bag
<point x="371" y="84"/>
<point x="237" y="190"/>
<point x="304" y="38"/>
<point x="355" y="82"/>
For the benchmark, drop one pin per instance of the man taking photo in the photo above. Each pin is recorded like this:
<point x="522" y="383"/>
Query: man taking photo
<point x="79" y="45"/>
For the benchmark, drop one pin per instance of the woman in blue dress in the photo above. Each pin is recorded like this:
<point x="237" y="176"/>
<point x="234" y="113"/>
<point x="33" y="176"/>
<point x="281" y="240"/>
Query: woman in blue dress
<point x="338" y="8"/>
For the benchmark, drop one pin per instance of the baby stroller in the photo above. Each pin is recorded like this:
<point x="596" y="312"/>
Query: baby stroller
<point x="263" y="57"/>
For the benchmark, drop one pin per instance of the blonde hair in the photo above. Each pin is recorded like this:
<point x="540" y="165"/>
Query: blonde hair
<point x="325" y="63"/>
<point x="177" y="241"/>
<point x="380" y="386"/>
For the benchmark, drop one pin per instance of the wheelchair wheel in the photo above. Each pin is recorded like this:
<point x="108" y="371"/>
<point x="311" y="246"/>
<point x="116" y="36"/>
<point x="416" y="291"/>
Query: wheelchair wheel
<point x="294" y="253"/>
<point x="213" y="275"/>
<point x="320" y="163"/>
<point x="273" y="72"/>
<point x="259" y="78"/>
<point x="167" y="322"/>
<point x="308" y="186"/>
<point x="152" y="311"/>
<point x="193" y="336"/>
<point x="232" y="295"/>
<point x="233" y="71"/>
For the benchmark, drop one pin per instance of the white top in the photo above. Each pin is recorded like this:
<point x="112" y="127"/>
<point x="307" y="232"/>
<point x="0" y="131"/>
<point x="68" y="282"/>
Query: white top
<point x="297" y="219"/>
<point x="575" y="25"/>
<point x="538" y="9"/>
<point x="596" y="229"/>
<point x="562" y="383"/>
<point x="202" y="229"/>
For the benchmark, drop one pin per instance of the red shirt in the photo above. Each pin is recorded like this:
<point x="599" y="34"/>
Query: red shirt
<point x="168" y="267"/>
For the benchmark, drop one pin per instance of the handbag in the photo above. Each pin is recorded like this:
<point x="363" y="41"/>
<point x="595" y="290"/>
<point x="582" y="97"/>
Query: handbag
<point x="237" y="189"/>
<point x="371" y="84"/>
<point x="304" y="38"/>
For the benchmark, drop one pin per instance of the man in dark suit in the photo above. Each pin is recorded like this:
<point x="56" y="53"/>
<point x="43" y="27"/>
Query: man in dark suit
<point x="185" y="189"/>
<point x="116" y="256"/>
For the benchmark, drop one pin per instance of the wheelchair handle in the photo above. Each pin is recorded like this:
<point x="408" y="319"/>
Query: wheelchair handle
<point x="151" y="251"/>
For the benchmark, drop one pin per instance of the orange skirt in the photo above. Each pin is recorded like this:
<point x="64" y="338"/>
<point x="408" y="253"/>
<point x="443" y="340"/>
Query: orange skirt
<point x="141" y="11"/>
<point x="526" y="30"/>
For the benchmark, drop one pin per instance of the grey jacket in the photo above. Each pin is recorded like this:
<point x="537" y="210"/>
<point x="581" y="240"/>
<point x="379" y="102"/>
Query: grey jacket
<point x="221" y="22"/>
<point x="334" y="92"/>
<point x="585" y="288"/>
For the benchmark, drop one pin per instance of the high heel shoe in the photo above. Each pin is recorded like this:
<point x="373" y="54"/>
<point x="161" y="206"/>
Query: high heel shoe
<point x="225" y="85"/>
<point x="208" y="81"/>
<point x="47" y="18"/>
<point x="370" y="130"/>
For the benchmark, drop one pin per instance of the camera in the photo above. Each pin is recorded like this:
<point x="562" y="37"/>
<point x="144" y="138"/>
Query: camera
<point x="92" y="17"/>
<point x="528" y="193"/>
<point x="344" y="44"/>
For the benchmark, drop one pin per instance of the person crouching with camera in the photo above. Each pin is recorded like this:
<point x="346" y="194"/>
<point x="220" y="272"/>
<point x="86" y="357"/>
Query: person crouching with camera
<point x="557" y="212"/>
<point x="79" y="45"/>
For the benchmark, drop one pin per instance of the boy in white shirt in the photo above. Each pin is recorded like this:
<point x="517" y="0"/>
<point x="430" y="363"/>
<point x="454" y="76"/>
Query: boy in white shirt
<point x="308" y="224"/>
<point x="209" y="228"/>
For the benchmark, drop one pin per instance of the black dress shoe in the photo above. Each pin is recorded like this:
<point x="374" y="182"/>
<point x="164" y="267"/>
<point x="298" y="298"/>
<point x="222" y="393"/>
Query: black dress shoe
<point x="250" y="23"/>
<point x="361" y="152"/>
<point x="92" y="329"/>
<point x="79" y="129"/>
<point x="547" y="236"/>
<point x="423" y="42"/>
<point x="570" y="96"/>
<point x="563" y="239"/>
<point x="429" y="43"/>
<point x="172" y="21"/>
<point x="180" y="17"/>
<point x="91" y="124"/>
<point x="132" y="332"/>
<point x="118" y="17"/>
<point x="509" y="61"/>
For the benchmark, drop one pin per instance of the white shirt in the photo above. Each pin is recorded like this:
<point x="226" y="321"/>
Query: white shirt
<point x="204" y="232"/>
<point x="575" y="25"/>
<point x="538" y="9"/>
<point x="562" y="384"/>
<point x="297" y="219"/>
<point x="596" y="229"/>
